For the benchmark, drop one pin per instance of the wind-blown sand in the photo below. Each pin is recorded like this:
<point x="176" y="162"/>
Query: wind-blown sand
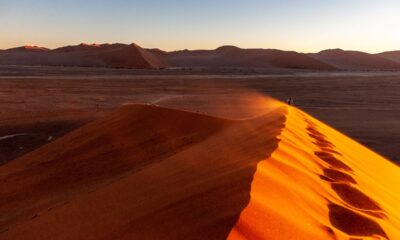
<point x="146" y="172"/>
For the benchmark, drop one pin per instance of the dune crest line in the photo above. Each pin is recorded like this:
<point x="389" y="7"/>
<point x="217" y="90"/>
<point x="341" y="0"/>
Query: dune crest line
<point x="337" y="187"/>
<point x="143" y="172"/>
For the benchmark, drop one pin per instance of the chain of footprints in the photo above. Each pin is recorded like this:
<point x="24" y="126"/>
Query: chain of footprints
<point x="339" y="176"/>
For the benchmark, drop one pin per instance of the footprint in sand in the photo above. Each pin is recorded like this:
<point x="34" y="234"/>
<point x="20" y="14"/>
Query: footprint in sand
<point x="353" y="223"/>
<point x="332" y="160"/>
<point x="337" y="176"/>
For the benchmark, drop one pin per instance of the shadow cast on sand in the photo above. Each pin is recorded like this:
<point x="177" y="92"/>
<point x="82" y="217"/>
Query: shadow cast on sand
<point x="337" y="176"/>
<point x="332" y="160"/>
<point x="354" y="197"/>
<point x="353" y="223"/>
<point x="197" y="168"/>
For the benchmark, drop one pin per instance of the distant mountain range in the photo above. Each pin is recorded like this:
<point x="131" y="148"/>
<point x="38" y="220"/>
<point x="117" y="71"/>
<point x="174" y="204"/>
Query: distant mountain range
<point x="133" y="56"/>
<point x="84" y="55"/>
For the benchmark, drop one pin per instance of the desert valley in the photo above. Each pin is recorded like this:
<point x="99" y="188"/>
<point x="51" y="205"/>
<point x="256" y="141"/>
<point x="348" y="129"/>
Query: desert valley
<point x="203" y="120"/>
<point x="197" y="153"/>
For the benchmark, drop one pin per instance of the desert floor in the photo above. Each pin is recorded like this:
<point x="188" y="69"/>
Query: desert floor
<point x="40" y="104"/>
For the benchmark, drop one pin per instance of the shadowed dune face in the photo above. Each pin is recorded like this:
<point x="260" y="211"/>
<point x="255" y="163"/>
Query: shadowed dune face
<point x="155" y="173"/>
<point x="17" y="139"/>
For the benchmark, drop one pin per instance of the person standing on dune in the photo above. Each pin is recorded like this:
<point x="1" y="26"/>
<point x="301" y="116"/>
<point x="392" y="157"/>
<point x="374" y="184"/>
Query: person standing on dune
<point x="289" y="101"/>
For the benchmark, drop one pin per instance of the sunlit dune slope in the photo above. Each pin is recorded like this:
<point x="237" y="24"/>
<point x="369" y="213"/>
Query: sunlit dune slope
<point x="147" y="172"/>
<point x="144" y="172"/>
<point x="319" y="184"/>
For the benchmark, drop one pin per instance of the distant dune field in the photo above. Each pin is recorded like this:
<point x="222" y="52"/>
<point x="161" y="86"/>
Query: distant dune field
<point x="84" y="55"/>
<point x="132" y="56"/>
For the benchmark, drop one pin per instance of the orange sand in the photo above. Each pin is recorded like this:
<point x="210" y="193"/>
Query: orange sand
<point x="146" y="172"/>
<point x="319" y="184"/>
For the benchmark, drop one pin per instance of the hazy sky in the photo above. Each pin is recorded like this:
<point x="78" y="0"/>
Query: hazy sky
<point x="306" y="25"/>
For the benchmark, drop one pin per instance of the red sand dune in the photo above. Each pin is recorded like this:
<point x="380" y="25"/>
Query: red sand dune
<point x="27" y="48"/>
<point x="85" y="55"/>
<point x="355" y="60"/>
<point x="319" y="184"/>
<point x="146" y="172"/>
<point x="391" y="55"/>
<point x="137" y="166"/>
<point x="134" y="57"/>
<point x="21" y="133"/>
<point x="231" y="56"/>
